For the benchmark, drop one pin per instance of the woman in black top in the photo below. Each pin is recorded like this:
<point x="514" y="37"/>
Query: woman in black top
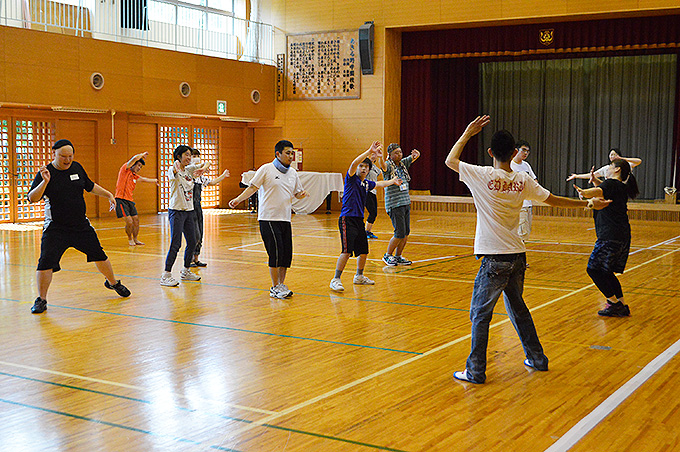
<point x="613" y="234"/>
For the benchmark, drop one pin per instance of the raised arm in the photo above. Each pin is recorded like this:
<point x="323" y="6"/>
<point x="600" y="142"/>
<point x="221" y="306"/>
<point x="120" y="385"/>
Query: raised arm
<point x="37" y="193"/>
<point x="476" y="126"/>
<point x="376" y="148"/>
<point x="134" y="159"/>
<point x="633" y="161"/>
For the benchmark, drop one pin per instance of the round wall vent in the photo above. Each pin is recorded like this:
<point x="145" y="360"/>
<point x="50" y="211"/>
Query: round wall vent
<point x="97" y="80"/>
<point x="184" y="89"/>
<point x="255" y="96"/>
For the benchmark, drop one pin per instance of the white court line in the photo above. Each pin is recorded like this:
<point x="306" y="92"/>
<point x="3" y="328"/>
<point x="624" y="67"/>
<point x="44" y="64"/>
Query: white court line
<point x="244" y="246"/>
<point x="585" y="425"/>
<point x="136" y="388"/>
<point x="352" y="384"/>
<point x="435" y="259"/>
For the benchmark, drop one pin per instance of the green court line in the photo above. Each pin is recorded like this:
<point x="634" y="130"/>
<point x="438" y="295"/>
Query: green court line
<point x="265" y="290"/>
<point x="226" y="328"/>
<point x="112" y="424"/>
<point x="190" y="410"/>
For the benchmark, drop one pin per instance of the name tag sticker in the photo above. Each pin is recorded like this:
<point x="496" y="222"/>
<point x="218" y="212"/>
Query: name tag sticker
<point x="74" y="177"/>
<point x="403" y="187"/>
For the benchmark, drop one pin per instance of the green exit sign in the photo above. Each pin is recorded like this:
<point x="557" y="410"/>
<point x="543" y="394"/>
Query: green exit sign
<point x="221" y="107"/>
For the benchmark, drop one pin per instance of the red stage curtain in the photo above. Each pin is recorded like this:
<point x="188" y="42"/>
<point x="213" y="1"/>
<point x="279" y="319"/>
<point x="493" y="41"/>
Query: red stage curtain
<point x="441" y="95"/>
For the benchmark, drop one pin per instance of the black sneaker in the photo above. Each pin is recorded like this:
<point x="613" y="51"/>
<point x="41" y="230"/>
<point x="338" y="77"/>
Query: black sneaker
<point x="199" y="264"/>
<point x="39" y="306"/>
<point x="617" y="309"/>
<point x="118" y="287"/>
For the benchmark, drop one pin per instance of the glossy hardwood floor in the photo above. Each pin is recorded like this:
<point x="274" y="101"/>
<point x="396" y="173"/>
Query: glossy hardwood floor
<point x="218" y="365"/>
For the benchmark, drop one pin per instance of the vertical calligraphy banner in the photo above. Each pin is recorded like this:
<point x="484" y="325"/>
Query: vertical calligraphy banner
<point x="323" y="66"/>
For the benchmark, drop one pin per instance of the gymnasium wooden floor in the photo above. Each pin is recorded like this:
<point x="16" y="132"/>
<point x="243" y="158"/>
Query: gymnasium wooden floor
<point x="218" y="365"/>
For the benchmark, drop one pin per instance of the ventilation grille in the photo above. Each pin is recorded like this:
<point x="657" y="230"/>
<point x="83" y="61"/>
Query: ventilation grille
<point x="255" y="96"/>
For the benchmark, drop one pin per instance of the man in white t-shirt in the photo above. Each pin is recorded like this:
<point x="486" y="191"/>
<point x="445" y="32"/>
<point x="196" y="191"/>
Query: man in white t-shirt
<point x="276" y="183"/>
<point x="181" y="215"/>
<point x="498" y="193"/>
<point x="518" y="164"/>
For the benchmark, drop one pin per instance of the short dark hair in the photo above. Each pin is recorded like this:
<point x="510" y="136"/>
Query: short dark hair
<point x="61" y="143"/>
<point x="368" y="162"/>
<point x="392" y="147"/>
<point x="502" y="145"/>
<point x="281" y="145"/>
<point x="521" y="143"/>
<point x="139" y="161"/>
<point x="179" y="150"/>
<point x="194" y="151"/>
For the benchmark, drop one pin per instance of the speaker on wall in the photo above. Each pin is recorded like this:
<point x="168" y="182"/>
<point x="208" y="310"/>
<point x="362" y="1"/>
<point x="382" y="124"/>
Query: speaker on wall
<point x="366" y="33"/>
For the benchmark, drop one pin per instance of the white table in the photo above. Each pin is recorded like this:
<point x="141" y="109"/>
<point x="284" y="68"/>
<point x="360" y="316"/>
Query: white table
<point x="317" y="185"/>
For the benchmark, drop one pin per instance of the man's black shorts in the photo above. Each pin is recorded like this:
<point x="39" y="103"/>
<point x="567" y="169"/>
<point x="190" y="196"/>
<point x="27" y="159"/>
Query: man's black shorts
<point x="125" y="208"/>
<point x="278" y="241"/>
<point x="56" y="240"/>
<point x="353" y="235"/>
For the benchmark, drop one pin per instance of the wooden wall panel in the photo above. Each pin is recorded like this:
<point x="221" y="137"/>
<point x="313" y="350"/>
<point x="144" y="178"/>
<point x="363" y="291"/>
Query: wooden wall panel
<point x="38" y="68"/>
<point x="83" y="135"/>
<point x="264" y="140"/>
<point x="231" y="158"/>
<point x="144" y="138"/>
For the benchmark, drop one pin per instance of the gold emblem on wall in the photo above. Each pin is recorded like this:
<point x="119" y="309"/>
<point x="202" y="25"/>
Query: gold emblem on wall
<point x="546" y="36"/>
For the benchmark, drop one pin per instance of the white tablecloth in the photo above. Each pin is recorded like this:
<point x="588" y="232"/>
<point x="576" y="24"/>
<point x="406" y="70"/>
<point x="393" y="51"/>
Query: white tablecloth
<point x="317" y="185"/>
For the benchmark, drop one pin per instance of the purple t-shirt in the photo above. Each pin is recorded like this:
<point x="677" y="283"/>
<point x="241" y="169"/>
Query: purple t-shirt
<point x="354" y="196"/>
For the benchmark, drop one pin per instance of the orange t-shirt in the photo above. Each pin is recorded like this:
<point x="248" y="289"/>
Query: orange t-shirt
<point x="127" y="181"/>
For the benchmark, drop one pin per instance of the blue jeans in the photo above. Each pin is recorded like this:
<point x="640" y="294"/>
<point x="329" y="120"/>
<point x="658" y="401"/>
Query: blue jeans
<point x="501" y="273"/>
<point x="181" y="221"/>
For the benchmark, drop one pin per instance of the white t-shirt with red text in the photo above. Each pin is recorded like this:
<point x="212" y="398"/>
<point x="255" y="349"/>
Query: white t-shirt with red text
<point x="498" y="197"/>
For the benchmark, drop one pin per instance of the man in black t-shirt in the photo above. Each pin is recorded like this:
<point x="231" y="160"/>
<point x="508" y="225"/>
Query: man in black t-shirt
<point x="61" y="183"/>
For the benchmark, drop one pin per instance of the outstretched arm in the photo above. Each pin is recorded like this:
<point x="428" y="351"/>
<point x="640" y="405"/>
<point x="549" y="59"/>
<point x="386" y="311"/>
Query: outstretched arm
<point x="219" y="179"/>
<point x="476" y="126"/>
<point x="375" y="149"/>
<point x="134" y="159"/>
<point x="578" y="176"/>
<point x="561" y="201"/>
<point x="245" y="194"/>
<point x="146" y="179"/>
<point x="386" y="183"/>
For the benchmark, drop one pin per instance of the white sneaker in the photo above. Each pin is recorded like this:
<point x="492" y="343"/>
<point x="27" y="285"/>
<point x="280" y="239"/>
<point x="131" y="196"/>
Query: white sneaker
<point x="274" y="292"/>
<point x="287" y="293"/>
<point x="168" y="281"/>
<point x="188" y="275"/>
<point x="336" y="285"/>
<point x="362" y="279"/>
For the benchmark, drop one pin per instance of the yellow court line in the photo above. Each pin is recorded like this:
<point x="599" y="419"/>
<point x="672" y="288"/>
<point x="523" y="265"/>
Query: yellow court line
<point x="287" y="411"/>
<point x="136" y="388"/>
